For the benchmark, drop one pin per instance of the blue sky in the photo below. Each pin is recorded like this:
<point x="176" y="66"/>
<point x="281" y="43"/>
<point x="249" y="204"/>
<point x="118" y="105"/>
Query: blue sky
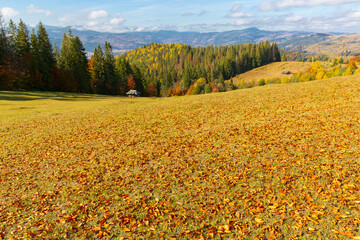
<point x="189" y="15"/>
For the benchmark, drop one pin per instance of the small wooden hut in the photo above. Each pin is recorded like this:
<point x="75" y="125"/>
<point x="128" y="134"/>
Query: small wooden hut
<point x="133" y="93"/>
<point x="286" y="72"/>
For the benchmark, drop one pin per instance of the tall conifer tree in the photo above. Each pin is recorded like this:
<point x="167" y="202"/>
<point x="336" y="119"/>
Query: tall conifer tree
<point x="22" y="42"/>
<point x="97" y="71"/>
<point x="79" y="63"/>
<point x="109" y="68"/>
<point x="4" y="55"/>
<point x="45" y="56"/>
<point x="73" y="60"/>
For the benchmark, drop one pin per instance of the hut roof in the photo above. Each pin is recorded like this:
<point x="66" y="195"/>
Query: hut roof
<point x="133" y="92"/>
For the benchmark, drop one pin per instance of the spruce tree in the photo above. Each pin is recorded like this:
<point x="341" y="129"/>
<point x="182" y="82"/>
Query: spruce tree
<point x="73" y="60"/>
<point x="46" y="57"/>
<point x="35" y="64"/>
<point x="22" y="62"/>
<point x="123" y="71"/>
<point x="34" y="43"/>
<point x="65" y="52"/>
<point x="12" y="33"/>
<point x="4" y="55"/>
<point x="109" y="68"/>
<point x="79" y="65"/>
<point x="97" y="72"/>
<point x="186" y="78"/>
<point x="138" y="79"/>
<point x="276" y="53"/>
<point x="56" y="54"/>
<point x="22" y="43"/>
<point x="258" y="57"/>
<point x="4" y="44"/>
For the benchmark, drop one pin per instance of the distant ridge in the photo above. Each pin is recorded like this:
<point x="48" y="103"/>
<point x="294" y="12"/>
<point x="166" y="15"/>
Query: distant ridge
<point x="290" y="41"/>
<point x="126" y="41"/>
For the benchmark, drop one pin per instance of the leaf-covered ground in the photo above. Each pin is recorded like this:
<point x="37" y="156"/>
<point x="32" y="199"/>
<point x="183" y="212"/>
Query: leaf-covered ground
<point x="272" y="162"/>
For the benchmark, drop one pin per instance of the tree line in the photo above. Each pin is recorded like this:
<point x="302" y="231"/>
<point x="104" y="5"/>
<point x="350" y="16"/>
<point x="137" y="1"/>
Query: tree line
<point x="28" y="61"/>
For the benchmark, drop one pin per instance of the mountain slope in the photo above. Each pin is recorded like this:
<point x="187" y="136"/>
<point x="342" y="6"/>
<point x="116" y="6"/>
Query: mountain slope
<point x="323" y="44"/>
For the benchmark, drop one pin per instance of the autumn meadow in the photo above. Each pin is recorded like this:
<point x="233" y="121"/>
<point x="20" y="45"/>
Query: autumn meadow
<point x="270" y="162"/>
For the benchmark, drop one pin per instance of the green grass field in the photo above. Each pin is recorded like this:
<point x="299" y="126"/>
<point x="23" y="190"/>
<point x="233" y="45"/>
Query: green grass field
<point x="271" y="162"/>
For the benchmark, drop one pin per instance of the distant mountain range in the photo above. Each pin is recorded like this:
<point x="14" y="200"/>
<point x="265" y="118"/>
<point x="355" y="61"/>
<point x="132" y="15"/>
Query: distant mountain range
<point x="130" y="40"/>
<point x="329" y="45"/>
<point x="121" y="42"/>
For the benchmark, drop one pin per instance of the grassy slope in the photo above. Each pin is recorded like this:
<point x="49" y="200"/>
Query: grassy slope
<point x="272" y="71"/>
<point x="22" y="106"/>
<point x="277" y="161"/>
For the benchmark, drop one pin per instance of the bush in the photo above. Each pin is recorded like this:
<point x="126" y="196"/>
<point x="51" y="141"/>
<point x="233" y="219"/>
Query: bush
<point x="274" y="80"/>
<point x="196" y="90"/>
<point x="221" y="87"/>
<point x="207" y="88"/>
<point x="241" y="84"/>
<point x="285" y="80"/>
<point x="306" y="77"/>
<point x="294" y="79"/>
<point x="252" y="82"/>
<point x="201" y="82"/>
<point x="261" y="82"/>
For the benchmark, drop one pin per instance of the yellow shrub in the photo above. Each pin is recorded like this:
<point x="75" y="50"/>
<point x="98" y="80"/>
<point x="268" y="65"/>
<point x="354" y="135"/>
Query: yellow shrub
<point x="285" y="80"/>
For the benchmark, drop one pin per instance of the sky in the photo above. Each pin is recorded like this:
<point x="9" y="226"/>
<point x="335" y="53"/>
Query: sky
<point x="188" y="15"/>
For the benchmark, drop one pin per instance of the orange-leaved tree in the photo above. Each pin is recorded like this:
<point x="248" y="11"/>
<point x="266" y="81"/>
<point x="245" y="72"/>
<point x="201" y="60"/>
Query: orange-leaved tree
<point x="131" y="82"/>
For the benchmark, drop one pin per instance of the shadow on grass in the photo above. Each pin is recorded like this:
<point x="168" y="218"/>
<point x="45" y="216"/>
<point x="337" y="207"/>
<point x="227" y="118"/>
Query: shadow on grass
<point x="59" y="96"/>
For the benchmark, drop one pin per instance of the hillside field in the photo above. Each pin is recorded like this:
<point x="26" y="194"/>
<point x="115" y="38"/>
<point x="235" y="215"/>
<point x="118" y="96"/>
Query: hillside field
<point x="272" y="71"/>
<point x="271" y="162"/>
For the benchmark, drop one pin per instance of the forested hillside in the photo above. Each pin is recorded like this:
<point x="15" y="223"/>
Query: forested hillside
<point x="30" y="62"/>
<point x="176" y="68"/>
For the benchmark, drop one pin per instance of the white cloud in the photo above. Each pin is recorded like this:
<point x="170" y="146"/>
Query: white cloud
<point x="294" y="19"/>
<point x="98" y="14"/>
<point x="239" y="15"/>
<point x="81" y="22"/>
<point x="236" y="7"/>
<point x="33" y="9"/>
<point x="355" y="14"/>
<point x="140" y="29"/>
<point x="8" y="12"/>
<point x="352" y="24"/>
<point x="235" y="14"/>
<point x="117" y="20"/>
<point x="311" y="3"/>
<point x="92" y="23"/>
<point x="240" y="23"/>
<point x="64" y="20"/>
<point x="266" y="6"/>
